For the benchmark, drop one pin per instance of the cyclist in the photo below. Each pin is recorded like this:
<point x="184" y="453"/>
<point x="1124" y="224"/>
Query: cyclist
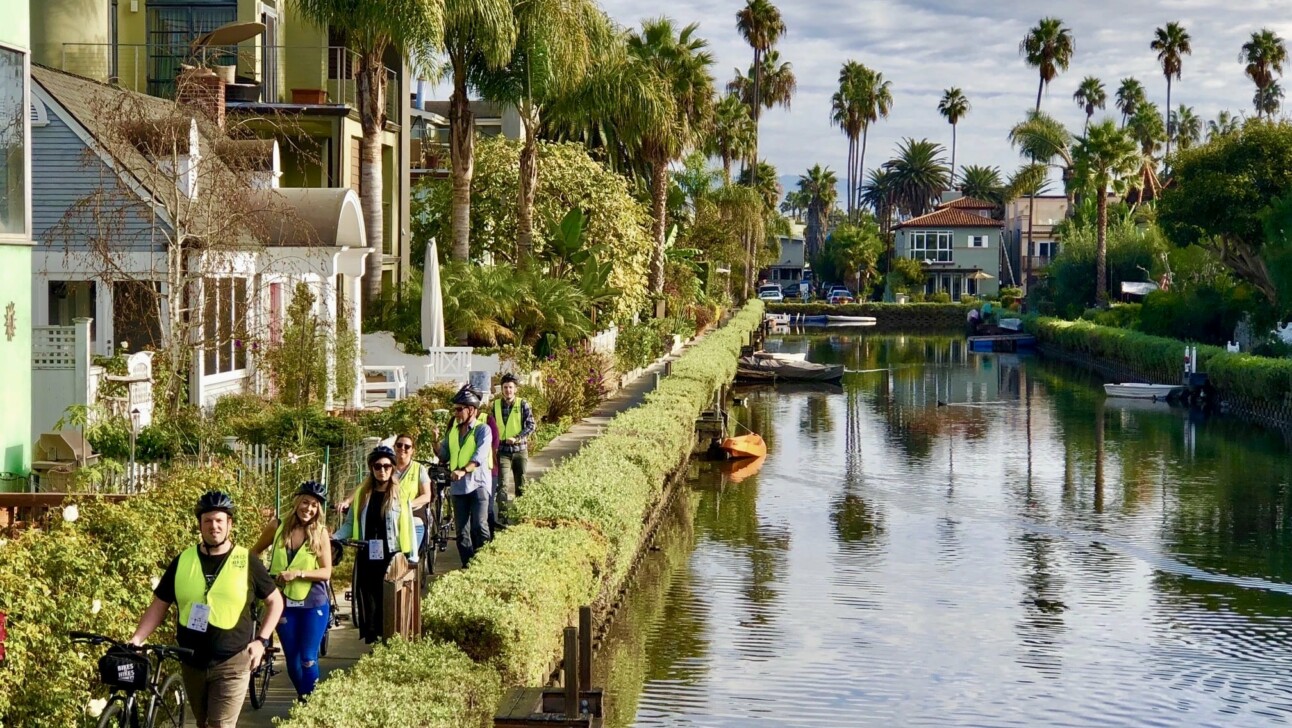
<point x="301" y="560"/>
<point x="467" y="448"/>
<point x="513" y="419"/>
<point x="382" y="517"/>
<point x="214" y="585"/>
<point x="414" y="483"/>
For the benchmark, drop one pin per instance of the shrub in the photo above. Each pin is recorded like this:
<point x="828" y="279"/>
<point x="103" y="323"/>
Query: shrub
<point x="574" y="382"/>
<point x="1123" y="315"/>
<point x="637" y="346"/>
<point x="940" y="297"/>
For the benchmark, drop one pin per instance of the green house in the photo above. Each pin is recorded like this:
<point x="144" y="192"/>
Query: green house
<point x="958" y="244"/>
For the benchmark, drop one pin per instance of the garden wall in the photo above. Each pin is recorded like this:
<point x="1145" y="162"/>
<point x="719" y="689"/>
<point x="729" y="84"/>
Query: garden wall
<point x="888" y="316"/>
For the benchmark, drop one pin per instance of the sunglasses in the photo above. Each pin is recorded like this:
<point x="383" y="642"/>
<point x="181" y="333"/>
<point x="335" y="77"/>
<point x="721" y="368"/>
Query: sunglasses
<point x="404" y="447"/>
<point x="383" y="466"/>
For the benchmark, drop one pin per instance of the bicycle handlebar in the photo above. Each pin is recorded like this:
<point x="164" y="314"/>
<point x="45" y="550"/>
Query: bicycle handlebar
<point x="163" y="650"/>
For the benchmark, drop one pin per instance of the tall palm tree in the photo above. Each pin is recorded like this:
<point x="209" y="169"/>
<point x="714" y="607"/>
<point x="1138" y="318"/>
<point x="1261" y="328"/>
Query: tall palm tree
<point x="1090" y="95"/>
<point x="879" y="194"/>
<point x="953" y="107"/>
<point x="1265" y="53"/>
<point x="1185" y="127"/>
<point x="1145" y="127"/>
<point x="761" y="25"/>
<point x="1105" y="157"/>
<point x="1172" y="45"/>
<point x="733" y="133"/>
<point x="476" y="33"/>
<point x="846" y="113"/>
<point x="920" y="175"/>
<point x="1129" y="97"/>
<point x="982" y="183"/>
<point x="1225" y="123"/>
<point x="765" y="183"/>
<point x="1047" y="47"/>
<point x="410" y="28"/>
<point x="875" y="96"/>
<point x="1268" y="100"/>
<point x="1042" y="139"/>
<point x="821" y="185"/>
<point x="678" y="62"/>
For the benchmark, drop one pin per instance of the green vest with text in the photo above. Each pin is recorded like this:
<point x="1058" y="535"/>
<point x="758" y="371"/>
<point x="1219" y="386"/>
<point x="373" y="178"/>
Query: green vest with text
<point x="462" y="449"/>
<point x="512" y="426"/>
<point x="304" y="560"/>
<point x="227" y="597"/>
<point x="405" y="532"/>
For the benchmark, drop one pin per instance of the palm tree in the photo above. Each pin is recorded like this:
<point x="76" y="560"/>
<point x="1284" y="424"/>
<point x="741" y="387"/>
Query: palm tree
<point x="875" y="97"/>
<point x="1185" y="127"/>
<point x="879" y="194"/>
<point x="1268" y="100"/>
<point x="1265" y="53"/>
<point x="821" y="185"/>
<point x="733" y="133"/>
<point x="765" y="184"/>
<point x="953" y="107"/>
<point x="1105" y="157"/>
<point x="1224" y="124"/>
<point x="846" y="113"/>
<point x="1171" y="44"/>
<point x="412" y="29"/>
<point x="1090" y="95"/>
<point x="1147" y="129"/>
<point x="982" y="183"/>
<point x="1048" y="48"/>
<point x="920" y="175"/>
<point x="1129" y="97"/>
<point x="678" y="63"/>
<point x="1042" y="139"/>
<point x="761" y="25"/>
<point x="476" y="33"/>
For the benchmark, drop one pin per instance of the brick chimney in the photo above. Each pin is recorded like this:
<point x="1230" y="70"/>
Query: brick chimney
<point x="203" y="90"/>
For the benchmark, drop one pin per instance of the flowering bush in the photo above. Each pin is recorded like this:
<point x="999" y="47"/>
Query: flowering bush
<point x="574" y="382"/>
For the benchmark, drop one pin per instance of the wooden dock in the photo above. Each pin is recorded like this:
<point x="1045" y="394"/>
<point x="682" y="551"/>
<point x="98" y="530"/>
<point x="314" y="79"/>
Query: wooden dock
<point x="1002" y="342"/>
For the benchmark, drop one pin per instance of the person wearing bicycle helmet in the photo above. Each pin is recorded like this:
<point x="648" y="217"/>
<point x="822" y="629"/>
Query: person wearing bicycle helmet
<point x="468" y="450"/>
<point x="214" y="585"/>
<point x="300" y="558"/>
<point x="513" y="419"/>
<point x="382" y="517"/>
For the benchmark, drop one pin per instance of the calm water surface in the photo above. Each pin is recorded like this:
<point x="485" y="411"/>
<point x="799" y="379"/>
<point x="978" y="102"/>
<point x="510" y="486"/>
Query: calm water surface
<point x="1028" y="554"/>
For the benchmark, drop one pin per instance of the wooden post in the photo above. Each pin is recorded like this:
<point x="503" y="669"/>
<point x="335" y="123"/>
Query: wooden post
<point x="585" y="647"/>
<point x="571" y="673"/>
<point x="668" y="368"/>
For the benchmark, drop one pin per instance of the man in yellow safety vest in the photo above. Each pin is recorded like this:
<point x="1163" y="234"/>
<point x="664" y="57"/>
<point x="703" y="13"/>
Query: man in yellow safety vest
<point x="513" y="420"/>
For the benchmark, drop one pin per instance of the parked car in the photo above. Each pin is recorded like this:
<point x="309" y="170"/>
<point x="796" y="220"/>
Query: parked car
<point x="790" y="290"/>
<point x="771" y="293"/>
<point x="840" y="295"/>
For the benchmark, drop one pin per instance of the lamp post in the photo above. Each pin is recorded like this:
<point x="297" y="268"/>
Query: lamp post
<point x="134" y="432"/>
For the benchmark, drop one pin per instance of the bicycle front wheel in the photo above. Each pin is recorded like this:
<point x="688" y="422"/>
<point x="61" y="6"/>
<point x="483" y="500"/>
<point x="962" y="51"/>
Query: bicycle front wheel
<point x="260" y="683"/>
<point x="114" y="715"/>
<point x="170" y="704"/>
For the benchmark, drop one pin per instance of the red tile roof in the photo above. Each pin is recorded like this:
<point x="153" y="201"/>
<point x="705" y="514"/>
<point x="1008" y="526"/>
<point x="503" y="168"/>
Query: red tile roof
<point x="950" y="217"/>
<point x="969" y="203"/>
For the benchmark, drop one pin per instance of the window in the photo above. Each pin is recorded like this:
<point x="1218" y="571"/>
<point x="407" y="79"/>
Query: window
<point x="979" y="241"/>
<point x="172" y="26"/>
<point x="225" y="311"/>
<point x="931" y="245"/>
<point x="269" y="56"/>
<point x="15" y="115"/>
<point x="1047" y="248"/>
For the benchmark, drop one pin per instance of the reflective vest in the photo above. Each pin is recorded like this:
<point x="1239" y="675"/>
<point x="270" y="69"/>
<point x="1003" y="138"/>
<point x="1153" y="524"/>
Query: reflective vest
<point x="461" y="450"/>
<point x="410" y="484"/>
<point x="304" y="560"/>
<point x="405" y="527"/>
<point x="227" y="597"/>
<point x="512" y="426"/>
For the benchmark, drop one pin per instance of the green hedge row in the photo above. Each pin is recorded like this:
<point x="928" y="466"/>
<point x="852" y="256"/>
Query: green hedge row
<point x="1243" y="375"/>
<point x="579" y="528"/>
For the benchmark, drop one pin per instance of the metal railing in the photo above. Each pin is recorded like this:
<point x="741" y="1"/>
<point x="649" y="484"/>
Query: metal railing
<point x="152" y="69"/>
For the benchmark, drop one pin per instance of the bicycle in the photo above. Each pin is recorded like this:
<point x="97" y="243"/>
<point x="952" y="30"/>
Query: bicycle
<point x="334" y="616"/>
<point x="128" y="670"/>
<point x="266" y="670"/>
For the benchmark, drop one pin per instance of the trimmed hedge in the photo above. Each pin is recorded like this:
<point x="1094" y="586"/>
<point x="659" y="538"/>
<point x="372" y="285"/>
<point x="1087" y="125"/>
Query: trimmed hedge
<point x="579" y="529"/>
<point x="1242" y="375"/>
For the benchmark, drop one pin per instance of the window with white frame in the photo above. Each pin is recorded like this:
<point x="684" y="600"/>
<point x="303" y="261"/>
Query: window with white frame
<point x="224" y="319"/>
<point x="979" y="241"/>
<point x="931" y="245"/>
<point x="1047" y="248"/>
<point x="15" y="116"/>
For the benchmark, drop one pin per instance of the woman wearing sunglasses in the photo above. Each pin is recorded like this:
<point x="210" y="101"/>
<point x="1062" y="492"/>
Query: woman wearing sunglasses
<point x="383" y="520"/>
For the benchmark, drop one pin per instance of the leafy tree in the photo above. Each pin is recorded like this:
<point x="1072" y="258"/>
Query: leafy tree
<point x="1070" y="283"/>
<point x="409" y="28"/>
<point x="1105" y="156"/>
<point x="851" y="254"/>
<point x="1172" y="43"/>
<point x="953" y="107"/>
<point x="768" y="187"/>
<point x="905" y="275"/>
<point x="920" y="175"/>
<point x="1130" y="95"/>
<point x="299" y="373"/>
<point x="1225" y="123"/>
<point x="1048" y="47"/>
<point x="761" y="25"/>
<point x="1090" y="95"/>
<point x="733" y="135"/>
<point x="982" y="183"/>
<point x="822" y="186"/>
<point x="1264" y="53"/>
<point x="1147" y="129"/>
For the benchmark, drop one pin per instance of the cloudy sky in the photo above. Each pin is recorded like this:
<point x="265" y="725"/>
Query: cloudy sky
<point x="925" y="46"/>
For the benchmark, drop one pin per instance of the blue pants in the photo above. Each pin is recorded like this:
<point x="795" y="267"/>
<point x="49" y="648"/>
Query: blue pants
<point x="301" y="632"/>
<point x="471" y="516"/>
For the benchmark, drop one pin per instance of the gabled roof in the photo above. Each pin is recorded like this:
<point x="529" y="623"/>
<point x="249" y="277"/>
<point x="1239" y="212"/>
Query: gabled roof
<point x="969" y="203"/>
<point x="950" y="217"/>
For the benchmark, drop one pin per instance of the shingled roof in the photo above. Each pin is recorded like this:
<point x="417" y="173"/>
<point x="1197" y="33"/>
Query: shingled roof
<point x="950" y="217"/>
<point x="970" y="203"/>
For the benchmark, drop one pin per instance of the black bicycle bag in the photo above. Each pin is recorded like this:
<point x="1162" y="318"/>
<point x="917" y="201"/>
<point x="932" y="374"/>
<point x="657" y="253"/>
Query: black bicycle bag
<point x="124" y="669"/>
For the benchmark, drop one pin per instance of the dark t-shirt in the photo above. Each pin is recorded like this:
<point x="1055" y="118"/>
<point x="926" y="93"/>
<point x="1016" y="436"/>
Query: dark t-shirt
<point x="217" y="645"/>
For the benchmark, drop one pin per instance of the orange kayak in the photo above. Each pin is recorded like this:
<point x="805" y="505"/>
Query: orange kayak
<point x="745" y="446"/>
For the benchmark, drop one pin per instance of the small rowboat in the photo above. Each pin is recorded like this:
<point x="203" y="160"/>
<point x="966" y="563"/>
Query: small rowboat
<point x="744" y="446"/>
<point x="1143" y="391"/>
<point x="780" y="356"/>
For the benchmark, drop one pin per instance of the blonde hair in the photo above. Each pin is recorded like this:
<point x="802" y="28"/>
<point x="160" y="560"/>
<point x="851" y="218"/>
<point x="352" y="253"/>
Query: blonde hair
<point x="316" y="533"/>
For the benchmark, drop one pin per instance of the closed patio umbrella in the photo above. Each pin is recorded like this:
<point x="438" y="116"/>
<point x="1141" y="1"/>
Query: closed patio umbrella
<point x="432" y="300"/>
<point x="980" y="275"/>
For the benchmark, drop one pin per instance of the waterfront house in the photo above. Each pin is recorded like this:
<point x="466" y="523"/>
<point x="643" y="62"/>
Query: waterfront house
<point x="789" y="265"/>
<point x="958" y="245"/>
<point x="429" y="133"/>
<point x="1031" y="244"/>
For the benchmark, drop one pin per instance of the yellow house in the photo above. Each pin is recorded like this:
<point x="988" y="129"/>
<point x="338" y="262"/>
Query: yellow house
<point x="292" y="81"/>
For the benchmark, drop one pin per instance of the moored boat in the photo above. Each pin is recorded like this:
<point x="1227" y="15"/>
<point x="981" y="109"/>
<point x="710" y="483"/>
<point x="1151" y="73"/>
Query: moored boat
<point x="781" y="355"/>
<point x="744" y="446"/>
<point x="1132" y="390"/>
<point x="854" y="320"/>
<point x="756" y="369"/>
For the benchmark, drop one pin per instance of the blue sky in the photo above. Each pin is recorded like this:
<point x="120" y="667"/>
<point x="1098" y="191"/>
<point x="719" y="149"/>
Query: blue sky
<point x="927" y="46"/>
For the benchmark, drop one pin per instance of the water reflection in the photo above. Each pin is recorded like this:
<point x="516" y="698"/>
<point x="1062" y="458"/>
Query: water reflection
<point x="963" y="539"/>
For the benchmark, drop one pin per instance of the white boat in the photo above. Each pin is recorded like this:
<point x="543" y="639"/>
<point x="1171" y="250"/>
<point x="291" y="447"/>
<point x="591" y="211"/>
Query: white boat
<point x="856" y="320"/>
<point x="780" y="355"/>
<point x="1143" y="391"/>
<point x="778" y="318"/>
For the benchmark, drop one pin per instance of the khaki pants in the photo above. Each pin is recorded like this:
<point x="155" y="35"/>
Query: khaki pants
<point x="216" y="693"/>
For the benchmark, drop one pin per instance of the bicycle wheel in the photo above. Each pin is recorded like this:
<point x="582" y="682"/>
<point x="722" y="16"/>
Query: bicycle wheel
<point x="171" y="703"/>
<point x="114" y="715"/>
<point x="260" y="682"/>
<point x="327" y="637"/>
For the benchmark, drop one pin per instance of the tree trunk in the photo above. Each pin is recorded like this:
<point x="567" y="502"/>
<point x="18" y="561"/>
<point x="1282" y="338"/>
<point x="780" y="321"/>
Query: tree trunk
<point x="755" y="111"/>
<point x="1039" y="88"/>
<point x="528" y="188"/>
<point x="462" y="148"/>
<point x="749" y="264"/>
<point x="861" y="164"/>
<point x="370" y="87"/>
<point x="659" y="210"/>
<point x="1167" y="155"/>
<point x="1031" y="242"/>
<point x="1101" y="248"/>
<point x="726" y="168"/>
<point x="953" y="156"/>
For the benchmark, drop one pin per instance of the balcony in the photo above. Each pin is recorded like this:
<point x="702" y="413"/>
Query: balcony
<point x="257" y="74"/>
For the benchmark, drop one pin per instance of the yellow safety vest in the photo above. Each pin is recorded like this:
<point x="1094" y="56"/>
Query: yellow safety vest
<point x="304" y="560"/>
<point x="405" y="527"/>
<point x="461" y="450"/>
<point x="410" y="483"/>
<point x="512" y="426"/>
<point x="227" y="596"/>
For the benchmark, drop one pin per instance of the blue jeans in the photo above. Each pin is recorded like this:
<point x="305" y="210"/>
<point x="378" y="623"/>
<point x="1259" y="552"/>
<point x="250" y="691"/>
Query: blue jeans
<point x="471" y="516"/>
<point x="301" y="632"/>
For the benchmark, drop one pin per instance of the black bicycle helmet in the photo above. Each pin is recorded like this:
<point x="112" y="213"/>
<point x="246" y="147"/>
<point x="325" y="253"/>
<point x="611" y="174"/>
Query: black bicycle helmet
<point x="214" y="500"/>
<point x="467" y="397"/>
<point x="381" y="451"/>
<point x="509" y="377"/>
<point x="315" y="490"/>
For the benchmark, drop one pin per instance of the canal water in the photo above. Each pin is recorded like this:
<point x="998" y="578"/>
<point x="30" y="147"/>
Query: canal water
<point x="954" y="538"/>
